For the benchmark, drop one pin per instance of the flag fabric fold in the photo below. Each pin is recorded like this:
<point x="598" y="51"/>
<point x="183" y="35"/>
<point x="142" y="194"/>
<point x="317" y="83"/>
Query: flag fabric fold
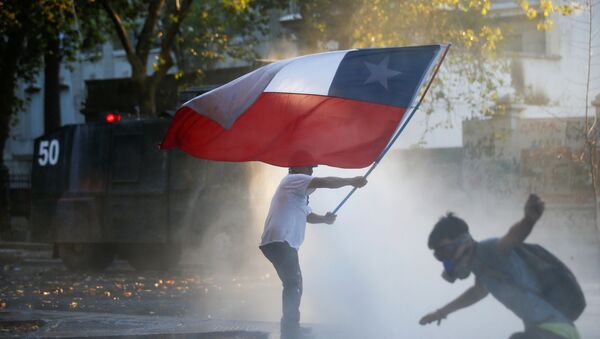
<point x="338" y="108"/>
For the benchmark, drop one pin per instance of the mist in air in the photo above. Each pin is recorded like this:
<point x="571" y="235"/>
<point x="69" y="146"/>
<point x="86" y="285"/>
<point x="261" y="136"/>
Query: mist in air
<point x="371" y="275"/>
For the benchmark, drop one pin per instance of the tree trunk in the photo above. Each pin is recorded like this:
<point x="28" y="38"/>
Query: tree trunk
<point x="145" y="90"/>
<point x="145" y="86"/>
<point x="596" y="164"/>
<point x="6" y="93"/>
<point x="52" y="86"/>
<point x="145" y="98"/>
<point x="147" y="101"/>
<point x="596" y="214"/>
<point x="5" y="229"/>
<point x="8" y="102"/>
<point x="150" y="97"/>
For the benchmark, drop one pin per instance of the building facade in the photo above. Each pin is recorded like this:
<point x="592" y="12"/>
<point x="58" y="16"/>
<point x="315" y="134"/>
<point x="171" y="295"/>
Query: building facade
<point x="548" y="85"/>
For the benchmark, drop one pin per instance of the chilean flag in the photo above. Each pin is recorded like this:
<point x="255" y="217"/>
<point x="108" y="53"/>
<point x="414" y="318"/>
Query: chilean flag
<point x="338" y="108"/>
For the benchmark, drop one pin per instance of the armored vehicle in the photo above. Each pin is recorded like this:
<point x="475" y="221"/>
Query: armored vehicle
<point x="101" y="190"/>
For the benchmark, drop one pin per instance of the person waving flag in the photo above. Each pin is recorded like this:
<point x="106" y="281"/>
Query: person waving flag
<point x="342" y="109"/>
<point x="338" y="108"/>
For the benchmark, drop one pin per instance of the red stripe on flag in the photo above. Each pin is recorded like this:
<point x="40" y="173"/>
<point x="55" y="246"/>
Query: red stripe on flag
<point x="285" y="129"/>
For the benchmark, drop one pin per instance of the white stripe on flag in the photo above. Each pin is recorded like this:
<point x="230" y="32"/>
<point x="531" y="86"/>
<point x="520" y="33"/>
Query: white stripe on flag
<point x="311" y="74"/>
<point x="226" y="103"/>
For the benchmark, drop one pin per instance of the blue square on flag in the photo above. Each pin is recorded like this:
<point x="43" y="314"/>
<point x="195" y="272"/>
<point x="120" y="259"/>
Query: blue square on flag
<point x="385" y="76"/>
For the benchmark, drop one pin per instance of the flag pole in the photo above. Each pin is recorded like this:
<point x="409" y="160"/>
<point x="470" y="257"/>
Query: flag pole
<point x="397" y="134"/>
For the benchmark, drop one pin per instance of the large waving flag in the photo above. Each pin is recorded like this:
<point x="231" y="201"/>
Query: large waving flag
<point x="338" y="108"/>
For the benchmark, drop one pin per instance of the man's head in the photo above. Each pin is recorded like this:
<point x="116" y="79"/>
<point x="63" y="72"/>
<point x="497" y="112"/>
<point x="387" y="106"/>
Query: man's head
<point x="308" y="170"/>
<point x="302" y="157"/>
<point x="453" y="246"/>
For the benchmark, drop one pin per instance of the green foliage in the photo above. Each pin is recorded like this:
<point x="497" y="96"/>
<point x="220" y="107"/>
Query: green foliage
<point x="216" y="30"/>
<point x="196" y="33"/>
<point x="472" y="73"/>
<point x="26" y="28"/>
<point x="22" y="44"/>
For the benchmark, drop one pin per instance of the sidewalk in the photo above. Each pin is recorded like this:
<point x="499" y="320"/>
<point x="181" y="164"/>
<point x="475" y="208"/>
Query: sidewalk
<point x="31" y="246"/>
<point x="57" y="324"/>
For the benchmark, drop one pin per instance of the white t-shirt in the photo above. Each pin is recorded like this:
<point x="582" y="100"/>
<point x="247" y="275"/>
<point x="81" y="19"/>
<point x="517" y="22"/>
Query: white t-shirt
<point x="287" y="215"/>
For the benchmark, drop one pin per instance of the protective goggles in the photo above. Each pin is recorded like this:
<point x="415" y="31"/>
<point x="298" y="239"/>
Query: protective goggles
<point x="448" y="251"/>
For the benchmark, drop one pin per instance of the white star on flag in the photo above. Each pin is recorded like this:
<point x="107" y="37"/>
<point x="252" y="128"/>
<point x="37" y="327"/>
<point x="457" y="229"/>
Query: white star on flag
<point x="380" y="73"/>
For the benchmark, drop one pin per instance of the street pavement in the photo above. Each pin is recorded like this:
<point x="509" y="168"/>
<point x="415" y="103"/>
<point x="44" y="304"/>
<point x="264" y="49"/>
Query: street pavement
<point x="40" y="298"/>
<point x="60" y="324"/>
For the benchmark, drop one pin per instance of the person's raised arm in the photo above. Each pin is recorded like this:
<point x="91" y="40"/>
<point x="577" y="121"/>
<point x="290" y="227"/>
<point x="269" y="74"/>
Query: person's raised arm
<point x="335" y="182"/>
<point x="534" y="207"/>
<point x="468" y="298"/>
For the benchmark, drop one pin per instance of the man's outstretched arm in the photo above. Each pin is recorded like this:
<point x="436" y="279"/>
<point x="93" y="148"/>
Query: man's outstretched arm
<point x="335" y="182"/>
<point x="534" y="207"/>
<point x="328" y="218"/>
<point x="468" y="298"/>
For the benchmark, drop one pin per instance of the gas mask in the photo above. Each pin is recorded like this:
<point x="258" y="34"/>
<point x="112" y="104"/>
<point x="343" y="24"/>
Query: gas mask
<point x="456" y="258"/>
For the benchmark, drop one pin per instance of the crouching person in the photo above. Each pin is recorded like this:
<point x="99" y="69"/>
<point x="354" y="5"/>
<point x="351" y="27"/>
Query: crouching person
<point x="525" y="278"/>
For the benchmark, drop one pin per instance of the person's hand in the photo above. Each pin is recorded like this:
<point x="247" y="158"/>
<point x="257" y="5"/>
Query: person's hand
<point x="329" y="218"/>
<point x="534" y="207"/>
<point x="358" y="182"/>
<point x="434" y="316"/>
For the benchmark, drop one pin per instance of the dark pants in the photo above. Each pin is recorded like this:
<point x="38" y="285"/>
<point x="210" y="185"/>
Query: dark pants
<point x="285" y="260"/>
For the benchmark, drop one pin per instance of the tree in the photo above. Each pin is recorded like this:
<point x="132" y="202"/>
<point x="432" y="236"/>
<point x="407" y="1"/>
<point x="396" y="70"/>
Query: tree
<point x="29" y="31"/>
<point x="186" y="34"/>
<point x="124" y="16"/>
<point x="472" y="73"/>
<point x="21" y="48"/>
<point x="70" y="28"/>
<point x="591" y="155"/>
<point x="218" y="30"/>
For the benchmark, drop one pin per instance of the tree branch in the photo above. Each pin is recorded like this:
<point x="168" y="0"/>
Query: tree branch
<point x="147" y="33"/>
<point x="165" y="60"/>
<point x="135" y="62"/>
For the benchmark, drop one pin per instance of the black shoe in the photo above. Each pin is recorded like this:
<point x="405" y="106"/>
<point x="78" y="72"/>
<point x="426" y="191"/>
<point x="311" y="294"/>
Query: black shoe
<point x="298" y="333"/>
<point x="290" y="335"/>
